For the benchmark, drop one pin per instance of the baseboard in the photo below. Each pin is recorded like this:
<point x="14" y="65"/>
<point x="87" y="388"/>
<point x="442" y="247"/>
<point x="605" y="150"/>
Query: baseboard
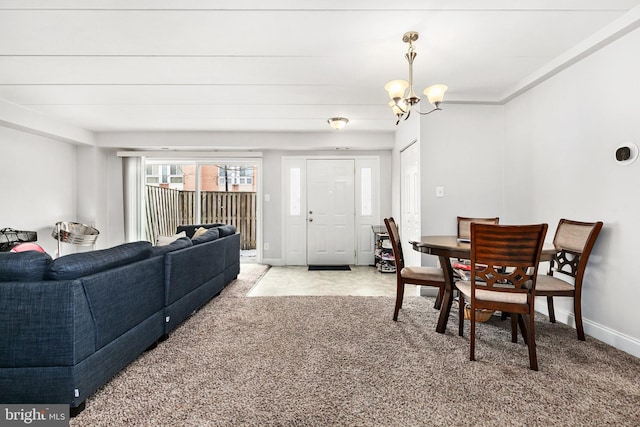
<point x="425" y="291"/>
<point x="272" y="262"/>
<point x="600" y="332"/>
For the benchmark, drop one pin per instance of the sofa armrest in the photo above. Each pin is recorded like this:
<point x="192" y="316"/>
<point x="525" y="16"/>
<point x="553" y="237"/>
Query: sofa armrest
<point x="123" y="297"/>
<point x="46" y="323"/>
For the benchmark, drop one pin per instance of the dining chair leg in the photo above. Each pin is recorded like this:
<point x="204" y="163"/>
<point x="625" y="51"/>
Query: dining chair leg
<point x="523" y="327"/>
<point x="460" y="314"/>
<point x="577" y="311"/>
<point x="514" y="327"/>
<point x="472" y="335"/>
<point x="399" y="297"/>
<point x="531" y="342"/>
<point x="552" y="314"/>
<point x="438" y="302"/>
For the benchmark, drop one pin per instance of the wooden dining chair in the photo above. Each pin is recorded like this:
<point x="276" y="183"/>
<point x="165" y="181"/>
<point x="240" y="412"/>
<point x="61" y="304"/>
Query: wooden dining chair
<point x="504" y="267"/>
<point x="405" y="275"/>
<point x="573" y="241"/>
<point x="464" y="225"/>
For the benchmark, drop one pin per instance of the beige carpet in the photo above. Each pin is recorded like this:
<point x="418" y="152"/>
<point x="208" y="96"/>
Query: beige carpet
<point x="342" y="361"/>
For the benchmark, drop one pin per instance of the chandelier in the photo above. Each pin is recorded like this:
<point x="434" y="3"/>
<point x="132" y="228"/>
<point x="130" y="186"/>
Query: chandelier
<point x="400" y="104"/>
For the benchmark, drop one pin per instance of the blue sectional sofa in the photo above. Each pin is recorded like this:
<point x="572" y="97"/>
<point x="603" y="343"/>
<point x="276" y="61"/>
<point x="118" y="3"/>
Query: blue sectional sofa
<point x="68" y="325"/>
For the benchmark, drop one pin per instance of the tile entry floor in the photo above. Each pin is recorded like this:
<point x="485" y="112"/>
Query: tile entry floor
<point x="298" y="280"/>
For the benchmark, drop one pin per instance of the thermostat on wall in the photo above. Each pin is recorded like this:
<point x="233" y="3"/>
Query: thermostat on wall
<point x="627" y="153"/>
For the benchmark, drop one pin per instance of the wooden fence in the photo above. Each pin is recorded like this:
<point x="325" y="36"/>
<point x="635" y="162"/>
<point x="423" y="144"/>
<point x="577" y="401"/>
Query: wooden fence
<point x="167" y="208"/>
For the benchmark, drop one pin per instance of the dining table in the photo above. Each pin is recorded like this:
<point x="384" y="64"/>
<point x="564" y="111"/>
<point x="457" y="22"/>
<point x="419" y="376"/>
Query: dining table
<point x="450" y="247"/>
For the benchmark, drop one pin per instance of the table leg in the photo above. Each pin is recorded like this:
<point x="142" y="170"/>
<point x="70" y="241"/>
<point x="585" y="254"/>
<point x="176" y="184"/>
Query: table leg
<point x="447" y="298"/>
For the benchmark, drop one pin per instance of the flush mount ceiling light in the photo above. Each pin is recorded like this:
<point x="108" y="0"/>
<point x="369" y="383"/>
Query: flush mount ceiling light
<point x="400" y="104"/>
<point x="337" y="122"/>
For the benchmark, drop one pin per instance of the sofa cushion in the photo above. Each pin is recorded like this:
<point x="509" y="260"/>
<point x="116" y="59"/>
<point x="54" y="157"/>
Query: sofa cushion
<point x="28" y="266"/>
<point x="226" y="230"/>
<point x="208" y="236"/>
<point x="181" y="243"/>
<point x="72" y="266"/>
<point x="165" y="240"/>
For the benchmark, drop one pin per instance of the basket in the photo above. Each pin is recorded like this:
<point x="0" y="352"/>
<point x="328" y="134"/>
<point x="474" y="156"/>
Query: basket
<point x="75" y="233"/>
<point x="482" y="314"/>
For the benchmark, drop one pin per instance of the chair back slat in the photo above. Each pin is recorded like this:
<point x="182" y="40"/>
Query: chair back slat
<point x="464" y="225"/>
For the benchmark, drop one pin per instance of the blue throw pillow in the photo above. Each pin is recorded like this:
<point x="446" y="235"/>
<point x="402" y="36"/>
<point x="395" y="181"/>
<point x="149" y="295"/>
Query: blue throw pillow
<point x="72" y="266"/>
<point x="226" y="230"/>
<point x="208" y="236"/>
<point x="28" y="266"/>
<point x="181" y="243"/>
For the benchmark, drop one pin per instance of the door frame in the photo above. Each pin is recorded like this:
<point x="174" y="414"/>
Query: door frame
<point x="412" y="258"/>
<point x="294" y="244"/>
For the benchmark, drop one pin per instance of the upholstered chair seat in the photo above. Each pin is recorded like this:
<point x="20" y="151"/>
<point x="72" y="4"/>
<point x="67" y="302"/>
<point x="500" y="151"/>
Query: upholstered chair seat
<point x="422" y="273"/>
<point x="552" y="284"/>
<point x="486" y="295"/>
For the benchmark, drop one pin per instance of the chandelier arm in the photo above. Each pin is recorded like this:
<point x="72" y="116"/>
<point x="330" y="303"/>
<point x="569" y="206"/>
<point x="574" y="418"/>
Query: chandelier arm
<point x="428" y="112"/>
<point x="401" y="109"/>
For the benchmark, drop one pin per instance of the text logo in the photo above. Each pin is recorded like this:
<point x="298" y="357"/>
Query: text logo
<point x="34" y="415"/>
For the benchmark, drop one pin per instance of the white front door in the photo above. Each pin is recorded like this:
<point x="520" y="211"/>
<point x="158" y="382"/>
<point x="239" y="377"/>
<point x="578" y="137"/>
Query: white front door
<point x="410" y="202"/>
<point x="330" y="212"/>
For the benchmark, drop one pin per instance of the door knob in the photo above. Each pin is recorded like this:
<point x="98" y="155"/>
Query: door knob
<point x="310" y="219"/>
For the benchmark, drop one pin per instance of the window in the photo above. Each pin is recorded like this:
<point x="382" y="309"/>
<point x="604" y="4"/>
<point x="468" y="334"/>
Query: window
<point x="235" y="175"/>
<point x="165" y="175"/>
<point x="294" y="194"/>
<point x="366" y="192"/>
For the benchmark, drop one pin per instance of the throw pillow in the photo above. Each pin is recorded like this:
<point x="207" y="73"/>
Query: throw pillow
<point x="226" y="230"/>
<point x="199" y="232"/>
<point x="166" y="240"/>
<point x="181" y="243"/>
<point x="208" y="236"/>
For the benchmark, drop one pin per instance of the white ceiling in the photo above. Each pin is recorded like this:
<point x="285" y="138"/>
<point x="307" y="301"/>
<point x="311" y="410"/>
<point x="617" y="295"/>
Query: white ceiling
<point x="287" y="65"/>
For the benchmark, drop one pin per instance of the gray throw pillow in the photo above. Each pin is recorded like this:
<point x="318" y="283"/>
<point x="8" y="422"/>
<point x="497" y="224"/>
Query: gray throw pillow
<point x="208" y="236"/>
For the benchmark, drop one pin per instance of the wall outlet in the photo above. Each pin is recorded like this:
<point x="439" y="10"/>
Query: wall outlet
<point x="439" y="191"/>
<point x="265" y="246"/>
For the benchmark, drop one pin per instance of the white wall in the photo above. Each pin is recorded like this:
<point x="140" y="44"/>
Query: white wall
<point x="100" y="194"/>
<point x="461" y="149"/>
<point x="37" y="184"/>
<point x="560" y="142"/>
